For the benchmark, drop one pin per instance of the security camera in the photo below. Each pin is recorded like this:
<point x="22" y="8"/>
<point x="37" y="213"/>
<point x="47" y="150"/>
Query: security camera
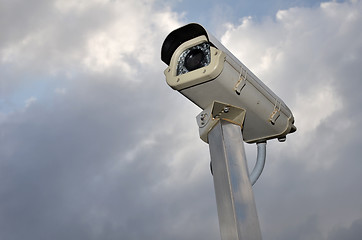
<point x="205" y="72"/>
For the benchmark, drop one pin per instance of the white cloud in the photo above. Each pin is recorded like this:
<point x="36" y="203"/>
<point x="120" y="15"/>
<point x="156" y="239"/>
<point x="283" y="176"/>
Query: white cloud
<point x="18" y="49"/>
<point x="93" y="36"/>
<point x="30" y="101"/>
<point x="314" y="107"/>
<point x="60" y="91"/>
<point x="311" y="58"/>
<point x="298" y="55"/>
<point x="67" y="6"/>
<point x="129" y="38"/>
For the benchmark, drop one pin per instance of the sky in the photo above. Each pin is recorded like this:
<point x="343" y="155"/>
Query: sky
<point x="95" y="145"/>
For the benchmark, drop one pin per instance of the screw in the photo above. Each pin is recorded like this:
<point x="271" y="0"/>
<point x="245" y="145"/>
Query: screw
<point x="226" y="109"/>
<point x="203" y="116"/>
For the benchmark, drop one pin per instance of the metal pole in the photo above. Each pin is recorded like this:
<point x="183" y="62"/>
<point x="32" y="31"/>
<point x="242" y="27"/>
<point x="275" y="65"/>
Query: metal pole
<point x="236" y="208"/>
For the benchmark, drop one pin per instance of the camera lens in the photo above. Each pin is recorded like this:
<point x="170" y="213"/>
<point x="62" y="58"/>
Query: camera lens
<point x="194" y="59"/>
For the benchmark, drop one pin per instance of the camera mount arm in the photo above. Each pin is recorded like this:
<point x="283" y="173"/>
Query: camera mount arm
<point x="208" y="118"/>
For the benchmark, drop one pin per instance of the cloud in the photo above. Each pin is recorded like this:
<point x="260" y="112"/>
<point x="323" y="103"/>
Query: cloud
<point x="309" y="57"/>
<point x="104" y="155"/>
<point x="351" y="233"/>
<point x="302" y="55"/>
<point x="30" y="101"/>
<point x="95" y="145"/>
<point x="97" y="167"/>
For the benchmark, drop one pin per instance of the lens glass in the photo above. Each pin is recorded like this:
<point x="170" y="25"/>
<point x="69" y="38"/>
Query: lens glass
<point x="194" y="58"/>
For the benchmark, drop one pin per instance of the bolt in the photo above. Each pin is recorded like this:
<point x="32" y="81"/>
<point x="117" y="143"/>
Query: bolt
<point x="203" y="116"/>
<point x="226" y="109"/>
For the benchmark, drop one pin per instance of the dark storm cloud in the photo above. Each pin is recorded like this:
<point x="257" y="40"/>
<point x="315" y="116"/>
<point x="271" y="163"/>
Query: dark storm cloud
<point x="95" y="154"/>
<point x="104" y="149"/>
<point x="354" y="232"/>
<point x="67" y="173"/>
<point x="17" y="17"/>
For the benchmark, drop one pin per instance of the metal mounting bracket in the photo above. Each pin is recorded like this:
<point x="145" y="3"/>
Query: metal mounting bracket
<point x="241" y="82"/>
<point x="276" y="112"/>
<point x="209" y="117"/>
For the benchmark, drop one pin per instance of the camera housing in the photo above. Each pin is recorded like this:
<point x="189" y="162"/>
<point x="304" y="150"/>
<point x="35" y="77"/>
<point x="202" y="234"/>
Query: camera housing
<point x="204" y="71"/>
